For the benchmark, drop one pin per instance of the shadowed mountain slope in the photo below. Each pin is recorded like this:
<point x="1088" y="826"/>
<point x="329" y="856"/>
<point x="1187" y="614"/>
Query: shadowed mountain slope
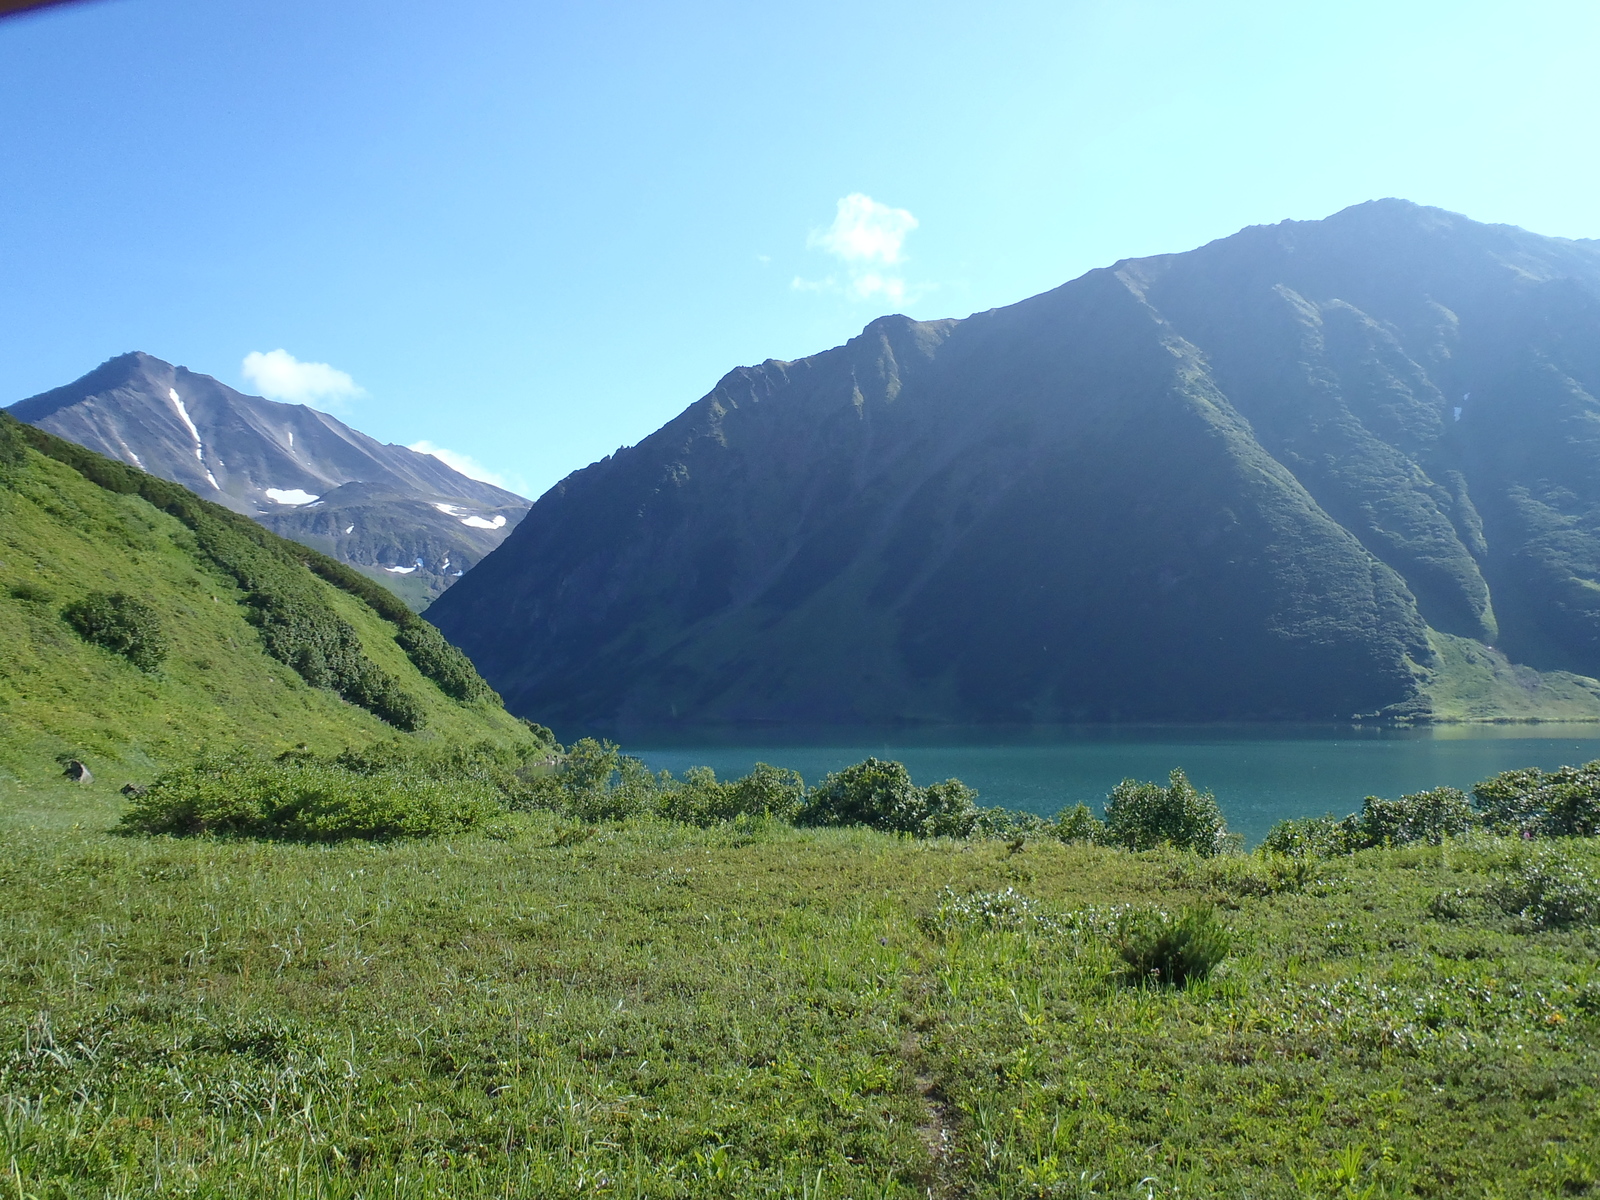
<point x="1312" y="470"/>
<point x="386" y="509"/>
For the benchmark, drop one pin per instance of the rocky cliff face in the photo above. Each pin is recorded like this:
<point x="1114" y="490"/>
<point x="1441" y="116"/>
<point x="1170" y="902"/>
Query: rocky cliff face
<point x="1270" y="478"/>
<point x="404" y="516"/>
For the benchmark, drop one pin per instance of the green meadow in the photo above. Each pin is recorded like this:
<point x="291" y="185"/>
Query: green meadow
<point x="550" y="1008"/>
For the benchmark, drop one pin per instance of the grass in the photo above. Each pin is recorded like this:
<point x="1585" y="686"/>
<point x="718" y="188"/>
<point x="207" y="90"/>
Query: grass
<point x="1470" y="682"/>
<point x="556" y="1009"/>
<point x="62" y="538"/>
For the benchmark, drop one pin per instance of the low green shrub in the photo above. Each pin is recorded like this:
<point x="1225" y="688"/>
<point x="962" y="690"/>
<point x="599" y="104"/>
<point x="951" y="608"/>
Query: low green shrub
<point x="13" y="448"/>
<point x="595" y="781"/>
<point x="517" y="773"/>
<point x="1079" y="824"/>
<point x="881" y="796"/>
<point x="1508" y="803"/>
<point x="701" y="799"/>
<point x="31" y="592"/>
<point x="1264" y="873"/>
<point x="300" y="799"/>
<point x="1142" y="816"/>
<point x="1307" y="837"/>
<point x="1429" y="817"/>
<point x="1550" y="891"/>
<point x="1560" y="803"/>
<point x="122" y="624"/>
<point x="442" y="662"/>
<point x="1160" y="949"/>
<point x="1008" y="825"/>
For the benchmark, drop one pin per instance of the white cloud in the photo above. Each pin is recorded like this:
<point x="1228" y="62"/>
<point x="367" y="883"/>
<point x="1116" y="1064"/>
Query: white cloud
<point x="865" y="231"/>
<point x="467" y="465"/>
<point x="279" y="375"/>
<point x="869" y="238"/>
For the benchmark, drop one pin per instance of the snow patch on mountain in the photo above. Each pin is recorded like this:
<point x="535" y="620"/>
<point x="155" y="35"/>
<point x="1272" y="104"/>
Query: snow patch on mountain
<point x="290" y="496"/>
<point x="199" y="449"/>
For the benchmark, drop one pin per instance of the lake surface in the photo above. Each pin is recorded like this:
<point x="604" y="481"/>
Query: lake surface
<point x="1259" y="774"/>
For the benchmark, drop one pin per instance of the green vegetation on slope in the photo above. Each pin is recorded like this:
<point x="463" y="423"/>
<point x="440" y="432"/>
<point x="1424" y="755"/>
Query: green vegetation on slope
<point x="1471" y="682"/>
<point x="251" y="631"/>
<point x="643" y="1009"/>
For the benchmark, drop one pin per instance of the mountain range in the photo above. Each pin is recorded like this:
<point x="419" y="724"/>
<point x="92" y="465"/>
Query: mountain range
<point x="1315" y="470"/>
<point x="401" y="516"/>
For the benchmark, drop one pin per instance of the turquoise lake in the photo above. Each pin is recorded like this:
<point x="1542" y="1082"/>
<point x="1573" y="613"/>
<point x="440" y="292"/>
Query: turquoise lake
<point x="1259" y="774"/>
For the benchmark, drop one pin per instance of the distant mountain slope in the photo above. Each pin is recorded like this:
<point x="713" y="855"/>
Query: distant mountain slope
<point x="1312" y="470"/>
<point x="300" y="472"/>
<point x="260" y="646"/>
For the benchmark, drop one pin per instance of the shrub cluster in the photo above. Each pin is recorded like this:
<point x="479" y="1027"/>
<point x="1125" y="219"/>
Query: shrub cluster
<point x="1550" y="891"/>
<point x="880" y="795"/>
<point x="594" y="781"/>
<point x="13" y="447"/>
<point x="122" y="624"/>
<point x="1429" y="817"/>
<point x="1142" y="816"/>
<point x="442" y="662"/>
<point x="1533" y="803"/>
<point x="1529" y="803"/>
<point x="305" y="799"/>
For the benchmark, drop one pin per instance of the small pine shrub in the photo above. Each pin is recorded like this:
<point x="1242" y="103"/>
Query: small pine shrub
<point x="1550" y="891"/>
<point x="122" y="624"/>
<point x="1079" y="824"/>
<point x="881" y="795"/>
<point x="1160" y="949"/>
<point x="32" y="593"/>
<point x="296" y="798"/>
<point x="1142" y="816"/>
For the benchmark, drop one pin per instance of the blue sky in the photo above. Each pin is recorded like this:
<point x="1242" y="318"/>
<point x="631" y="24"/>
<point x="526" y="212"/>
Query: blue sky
<point x="532" y="233"/>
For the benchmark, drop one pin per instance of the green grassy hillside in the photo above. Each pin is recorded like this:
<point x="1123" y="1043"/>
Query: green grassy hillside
<point x="63" y="537"/>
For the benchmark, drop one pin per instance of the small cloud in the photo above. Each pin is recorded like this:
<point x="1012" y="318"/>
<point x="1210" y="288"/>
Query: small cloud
<point x="865" y="231"/>
<point x="868" y="238"/>
<point x="279" y="375"/>
<point x="467" y="465"/>
<point x="764" y="259"/>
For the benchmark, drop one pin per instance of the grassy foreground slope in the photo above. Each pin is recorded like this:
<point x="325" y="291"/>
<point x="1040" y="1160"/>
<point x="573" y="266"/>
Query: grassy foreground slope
<point x="62" y="537"/>
<point x="643" y="1009"/>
